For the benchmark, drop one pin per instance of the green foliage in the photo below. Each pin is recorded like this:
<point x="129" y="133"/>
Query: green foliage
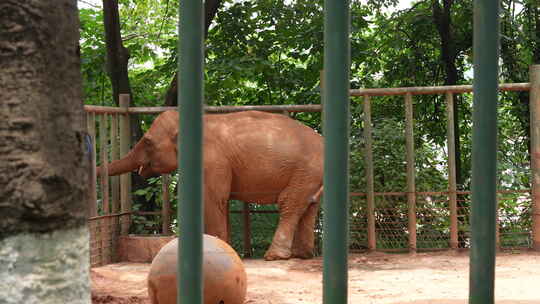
<point x="262" y="228"/>
<point x="152" y="224"/>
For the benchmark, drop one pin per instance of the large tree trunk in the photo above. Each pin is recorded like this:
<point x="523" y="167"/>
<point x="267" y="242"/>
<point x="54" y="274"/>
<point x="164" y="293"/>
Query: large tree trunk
<point x="44" y="244"/>
<point x="210" y="10"/>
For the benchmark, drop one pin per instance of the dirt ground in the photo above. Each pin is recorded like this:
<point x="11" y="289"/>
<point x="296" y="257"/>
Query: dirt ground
<point x="438" y="278"/>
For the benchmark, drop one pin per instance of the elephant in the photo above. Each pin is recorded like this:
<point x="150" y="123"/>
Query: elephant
<point x="250" y="156"/>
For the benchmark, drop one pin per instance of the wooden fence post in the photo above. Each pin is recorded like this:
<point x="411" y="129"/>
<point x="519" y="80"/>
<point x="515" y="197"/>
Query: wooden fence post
<point x="166" y="208"/>
<point x="105" y="222"/>
<point x="372" y="238"/>
<point x="91" y="127"/>
<point x="104" y="157"/>
<point x="411" y="188"/>
<point x="125" y="179"/>
<point x="247" y="231"/>
<point x="114" y="180"/>
<point x="115" y="187"/>
<point x="452" y="186"/>
<point x="534" y="103"/>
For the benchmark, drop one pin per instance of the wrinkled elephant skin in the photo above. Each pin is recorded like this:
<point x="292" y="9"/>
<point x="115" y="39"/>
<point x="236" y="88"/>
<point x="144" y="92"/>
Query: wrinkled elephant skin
<point x="250" y="156"/>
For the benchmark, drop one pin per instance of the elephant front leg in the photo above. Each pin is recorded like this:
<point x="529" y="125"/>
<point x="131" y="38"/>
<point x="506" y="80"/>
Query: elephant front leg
<point x="217" y="186"/>
<point x="215" y="219"/>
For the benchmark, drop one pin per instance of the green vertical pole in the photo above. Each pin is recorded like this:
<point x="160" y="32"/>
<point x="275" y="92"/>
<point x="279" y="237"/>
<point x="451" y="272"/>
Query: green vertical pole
<point x="484" y="151"/>
<point x="190" y="196"/>
<point x="336" y="149"/>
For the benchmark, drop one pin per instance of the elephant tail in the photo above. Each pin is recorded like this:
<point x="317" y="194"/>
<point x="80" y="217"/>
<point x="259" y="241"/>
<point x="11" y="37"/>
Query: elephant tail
<point x="316" y="197"/>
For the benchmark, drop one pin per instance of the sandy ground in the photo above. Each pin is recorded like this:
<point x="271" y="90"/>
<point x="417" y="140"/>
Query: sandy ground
<point x="438" y="278"/>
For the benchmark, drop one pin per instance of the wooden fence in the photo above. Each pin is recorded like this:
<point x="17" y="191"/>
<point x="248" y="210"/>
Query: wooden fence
<point x="111" y="215"/>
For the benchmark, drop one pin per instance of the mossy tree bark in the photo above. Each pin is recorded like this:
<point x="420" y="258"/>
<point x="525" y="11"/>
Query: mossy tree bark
<point x="44" y="256"/>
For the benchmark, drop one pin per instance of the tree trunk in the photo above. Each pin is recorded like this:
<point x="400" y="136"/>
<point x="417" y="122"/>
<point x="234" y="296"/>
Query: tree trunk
<point x="210" y="10"/>
<point x="443" y="21"/>
<point x="117" y="54"/>
<point x="117" y="67"/>
<point x="44" y="244"/>
<point x="117" y="62"/>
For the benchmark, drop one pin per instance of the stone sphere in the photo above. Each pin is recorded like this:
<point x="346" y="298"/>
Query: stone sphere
<point x="224" y="275"/>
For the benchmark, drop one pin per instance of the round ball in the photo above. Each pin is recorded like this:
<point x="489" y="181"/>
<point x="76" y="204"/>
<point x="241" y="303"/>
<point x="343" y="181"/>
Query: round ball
<point x="224" y="275"/>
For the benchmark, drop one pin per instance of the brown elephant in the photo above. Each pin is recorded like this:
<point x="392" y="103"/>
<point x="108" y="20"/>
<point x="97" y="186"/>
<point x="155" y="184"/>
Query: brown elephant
<point x="250" y="156"/>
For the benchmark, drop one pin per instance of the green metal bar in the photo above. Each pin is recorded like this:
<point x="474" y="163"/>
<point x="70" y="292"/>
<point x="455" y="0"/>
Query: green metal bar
<point x="190" y="196"/>
<point x="336" y="149"/>
<point x="484" y="151"/>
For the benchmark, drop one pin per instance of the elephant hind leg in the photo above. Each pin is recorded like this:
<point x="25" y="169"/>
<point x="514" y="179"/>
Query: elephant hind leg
<point x="304" y="237"/>
<point x="293" y="202"/>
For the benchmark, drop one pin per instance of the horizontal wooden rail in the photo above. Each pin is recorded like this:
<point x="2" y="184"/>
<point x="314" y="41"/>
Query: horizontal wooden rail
<point x="103" y="109"/>
<point x="147" y="213"/>
<point x="228" y="109"/>
<point x="255" y="211"/>
<point x="434" y="90"/>
<point x="109" y="215"/>
<point x="310" y="107"/>
<point x="424" y="193"/>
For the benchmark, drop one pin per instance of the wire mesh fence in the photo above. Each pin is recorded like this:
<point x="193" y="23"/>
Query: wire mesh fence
<point x="433" y="221"/>
<point x="391" y="225"/>
<point x="515" y="219"/>
<point x="104" y="233"/>
<point x="392" y="234"/>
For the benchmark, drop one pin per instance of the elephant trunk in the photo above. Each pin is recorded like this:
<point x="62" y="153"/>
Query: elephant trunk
<point x="133" y="160"/>
<point x="123" y="165"/>
<point x="126" y="164"/>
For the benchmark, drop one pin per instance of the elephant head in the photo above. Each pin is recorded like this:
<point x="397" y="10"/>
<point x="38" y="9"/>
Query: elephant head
<point x="156" y="151"/>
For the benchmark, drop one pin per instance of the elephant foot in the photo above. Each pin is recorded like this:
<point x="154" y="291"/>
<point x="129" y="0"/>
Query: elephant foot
<point x="274" y="253"/>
